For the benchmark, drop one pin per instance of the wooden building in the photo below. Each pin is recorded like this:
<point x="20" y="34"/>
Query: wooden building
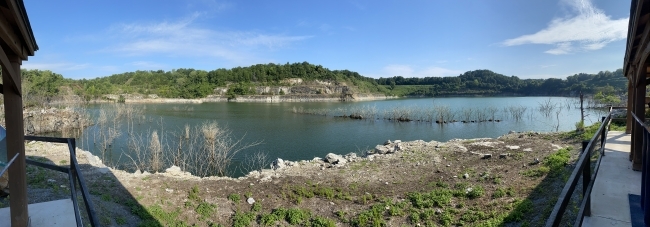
<point x="636" y="67"/>
<point x="17" y="43"/>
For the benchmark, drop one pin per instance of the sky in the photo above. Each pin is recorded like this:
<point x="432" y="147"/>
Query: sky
<point x="386" y="38"/>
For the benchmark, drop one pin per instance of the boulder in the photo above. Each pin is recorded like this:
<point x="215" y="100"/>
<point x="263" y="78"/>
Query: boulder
<point x="387" y="142"/>
<point x="380" y="149"/>
<point x="486" y="156"/>
<point x="277" y="164"/>
<point x="174" y="171"/>
<point x="335" y="159"/>
<point x="504" y="155"/>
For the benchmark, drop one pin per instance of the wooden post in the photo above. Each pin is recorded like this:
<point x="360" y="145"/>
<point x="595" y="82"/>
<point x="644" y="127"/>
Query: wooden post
<point x="586" y="176"/>
<point x="15" y="145"/>
<point x="630" y="102"/>
<point x="639" y="111"/>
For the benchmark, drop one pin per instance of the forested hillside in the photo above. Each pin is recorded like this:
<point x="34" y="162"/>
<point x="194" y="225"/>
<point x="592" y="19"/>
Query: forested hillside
<point x="191" y="83"/>
<point x="486" y="82"/>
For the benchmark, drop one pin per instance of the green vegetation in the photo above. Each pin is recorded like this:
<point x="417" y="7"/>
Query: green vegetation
<point x="486" y="82"/>
<point x="40" y="86"/>
<point x="553" y="165"/>
<point x="234" y="198"/>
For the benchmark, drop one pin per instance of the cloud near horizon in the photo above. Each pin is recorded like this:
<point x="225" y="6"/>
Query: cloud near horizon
<point x="588" y="29"/>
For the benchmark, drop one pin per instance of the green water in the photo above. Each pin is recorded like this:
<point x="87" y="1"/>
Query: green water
<point x="292" y="136"/>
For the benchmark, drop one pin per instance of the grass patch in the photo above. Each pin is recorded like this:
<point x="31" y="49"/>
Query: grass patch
<point x="235" y="198"/>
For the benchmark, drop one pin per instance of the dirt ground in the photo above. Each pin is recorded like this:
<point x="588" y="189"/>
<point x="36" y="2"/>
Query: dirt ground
<point x="491" y="182"/>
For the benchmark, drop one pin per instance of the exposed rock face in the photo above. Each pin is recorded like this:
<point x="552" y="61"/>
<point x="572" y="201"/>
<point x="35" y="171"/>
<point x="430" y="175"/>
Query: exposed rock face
<point x="53" y="120"/>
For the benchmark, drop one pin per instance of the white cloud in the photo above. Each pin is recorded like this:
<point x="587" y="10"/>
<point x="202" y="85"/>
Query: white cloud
<point x="588" y="29"/>
<point x="409" y="71"/>
<point x="183" y="38"/>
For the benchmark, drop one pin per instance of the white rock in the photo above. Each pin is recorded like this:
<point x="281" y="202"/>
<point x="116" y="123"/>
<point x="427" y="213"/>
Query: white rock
<point x="513" y="147"/>
<point x="250" y="200"/>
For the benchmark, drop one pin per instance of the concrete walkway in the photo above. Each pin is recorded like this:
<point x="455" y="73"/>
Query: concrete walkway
<point x="53" y="213"/>
<point x="615" y="180"/>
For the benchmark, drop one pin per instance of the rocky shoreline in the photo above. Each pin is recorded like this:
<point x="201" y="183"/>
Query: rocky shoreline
<point x="389" y="171"/>
<point x="279" y="167"/>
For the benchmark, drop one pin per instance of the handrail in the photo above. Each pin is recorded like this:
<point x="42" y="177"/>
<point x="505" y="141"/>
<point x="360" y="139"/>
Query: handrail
<point x="73" y="175"/>
<point x="645" y="143"/>
<point x="8" y="164"/>
<point x="583" y="167"/>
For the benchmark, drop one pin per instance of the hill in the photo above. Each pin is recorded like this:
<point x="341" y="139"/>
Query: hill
<point x="191" y="83"/>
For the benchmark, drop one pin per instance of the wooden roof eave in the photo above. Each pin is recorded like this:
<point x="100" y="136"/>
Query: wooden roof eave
<point x="635" y="12"/>
<point x="24" y="26"/>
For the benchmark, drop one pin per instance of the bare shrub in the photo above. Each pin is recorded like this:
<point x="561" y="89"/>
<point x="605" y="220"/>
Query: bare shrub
<point x="255" y="162"/>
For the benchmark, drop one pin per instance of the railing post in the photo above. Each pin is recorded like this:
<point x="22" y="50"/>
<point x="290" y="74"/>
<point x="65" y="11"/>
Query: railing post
<point x="586" y="176"/>
<point x="603" y="134"/>
<point x="644" y="173"/>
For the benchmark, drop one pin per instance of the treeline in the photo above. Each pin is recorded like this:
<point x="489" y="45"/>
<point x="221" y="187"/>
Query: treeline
<point x="191" y="83"/>
<point x="486" y="82"/>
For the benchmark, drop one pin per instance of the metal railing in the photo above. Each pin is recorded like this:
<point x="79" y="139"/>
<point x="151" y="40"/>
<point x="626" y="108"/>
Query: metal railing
<point x="73" y="175"/>
<point x="583" y="168"/>
<point x="645" y="200"/>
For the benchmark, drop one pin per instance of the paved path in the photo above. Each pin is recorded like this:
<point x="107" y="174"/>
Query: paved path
<point x="615" y="180"/>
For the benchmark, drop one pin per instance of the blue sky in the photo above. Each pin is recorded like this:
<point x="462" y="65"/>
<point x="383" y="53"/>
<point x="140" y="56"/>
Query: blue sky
<point x="529" y="39"/>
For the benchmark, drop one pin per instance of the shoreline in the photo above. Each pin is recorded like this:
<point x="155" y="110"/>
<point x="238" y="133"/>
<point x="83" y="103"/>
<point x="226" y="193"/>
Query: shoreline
<point x="282" y="168"/>
<point x="346" y="183"/>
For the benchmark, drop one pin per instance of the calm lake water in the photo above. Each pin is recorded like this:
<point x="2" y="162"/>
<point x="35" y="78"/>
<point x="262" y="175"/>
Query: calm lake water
<point x="294" y="136"/>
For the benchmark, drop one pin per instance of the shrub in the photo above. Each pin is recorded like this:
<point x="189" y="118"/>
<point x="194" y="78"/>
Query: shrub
<point x="205" y="210"/>
<point x="234" y="198"/>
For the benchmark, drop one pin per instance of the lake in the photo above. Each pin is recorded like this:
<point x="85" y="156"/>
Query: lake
<point x="295" y="136"/>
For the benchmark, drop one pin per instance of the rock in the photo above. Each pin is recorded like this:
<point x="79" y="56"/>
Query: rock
<point x="528" y="149"/>
<point x="350" y="157"/>
<point x="277" y="164"/>
<point x="387" y="142"/>
<point x="380" y="149"/>
<point x="468" y="190"/>
<point x="397" y="141"/>
<point x="169" y="190"/>
<point x="522" y="136"/>
<point x="438" y="211"/>
<point x="535" y="161"/>
<point x="512" y="132"/>
<point x="486" y="156"/>
<point x="335" y="159"/>
<point x="250" y="201"/>
<point x="398" y="147"/>
<point x="103" y="170"/>
<point x="504" y="155"/>
<point x="513" y="147"/>
<point x="465" y="176"/>
<point x="174" y="170"/>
